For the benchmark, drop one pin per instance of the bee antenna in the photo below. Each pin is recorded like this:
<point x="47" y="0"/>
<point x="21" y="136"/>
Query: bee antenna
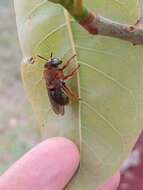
<point x="51" y="55"/>
<point x="42" y="57"/>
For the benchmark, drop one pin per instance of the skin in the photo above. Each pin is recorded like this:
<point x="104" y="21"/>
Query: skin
<point x="48" y="166"/>
<point x="112" y="183"/>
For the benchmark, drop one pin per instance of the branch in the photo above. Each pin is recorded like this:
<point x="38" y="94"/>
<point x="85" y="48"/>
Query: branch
<point x="97" y="24"/>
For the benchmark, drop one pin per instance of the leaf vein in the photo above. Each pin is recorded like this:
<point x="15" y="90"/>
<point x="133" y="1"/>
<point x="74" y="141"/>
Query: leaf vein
<point x="102" y="117"/>
<point x="49" y="35"/>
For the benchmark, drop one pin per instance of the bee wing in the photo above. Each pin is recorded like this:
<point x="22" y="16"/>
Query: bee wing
<point x="58" y="109"/>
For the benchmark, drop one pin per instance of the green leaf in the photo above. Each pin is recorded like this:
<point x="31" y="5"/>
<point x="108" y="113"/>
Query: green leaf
<point x="107" y="121"/>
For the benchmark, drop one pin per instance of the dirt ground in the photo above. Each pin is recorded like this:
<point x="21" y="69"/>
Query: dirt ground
<point x="18" y="131"/>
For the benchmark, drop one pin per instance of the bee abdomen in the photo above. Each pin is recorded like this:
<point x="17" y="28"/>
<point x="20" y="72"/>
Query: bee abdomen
<point x="59" y="96"/>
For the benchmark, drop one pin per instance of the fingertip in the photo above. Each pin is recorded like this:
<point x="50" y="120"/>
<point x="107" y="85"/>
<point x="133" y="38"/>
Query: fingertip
<point x="112" y="183"/>
<point x="50" y="164"/>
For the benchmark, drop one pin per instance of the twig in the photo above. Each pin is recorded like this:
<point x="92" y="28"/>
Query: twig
<point x="96" y="24"/>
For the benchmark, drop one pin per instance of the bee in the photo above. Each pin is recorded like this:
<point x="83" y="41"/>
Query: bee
<point x="53" y="75"/>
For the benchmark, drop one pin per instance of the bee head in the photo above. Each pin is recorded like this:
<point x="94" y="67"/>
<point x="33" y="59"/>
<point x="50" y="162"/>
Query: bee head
<point x="55" y="62"/>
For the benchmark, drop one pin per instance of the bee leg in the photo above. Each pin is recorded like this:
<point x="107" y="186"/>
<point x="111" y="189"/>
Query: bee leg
<point x="69" y="92"/>
<point x="68" y="62"/>
<point x="72" y="73"/>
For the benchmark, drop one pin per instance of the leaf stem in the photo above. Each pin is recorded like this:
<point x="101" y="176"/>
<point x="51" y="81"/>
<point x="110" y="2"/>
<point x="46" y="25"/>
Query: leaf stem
<point x="78" y="5"/>
<point x="140" y="21"/>
<point x="97" y="24"/>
